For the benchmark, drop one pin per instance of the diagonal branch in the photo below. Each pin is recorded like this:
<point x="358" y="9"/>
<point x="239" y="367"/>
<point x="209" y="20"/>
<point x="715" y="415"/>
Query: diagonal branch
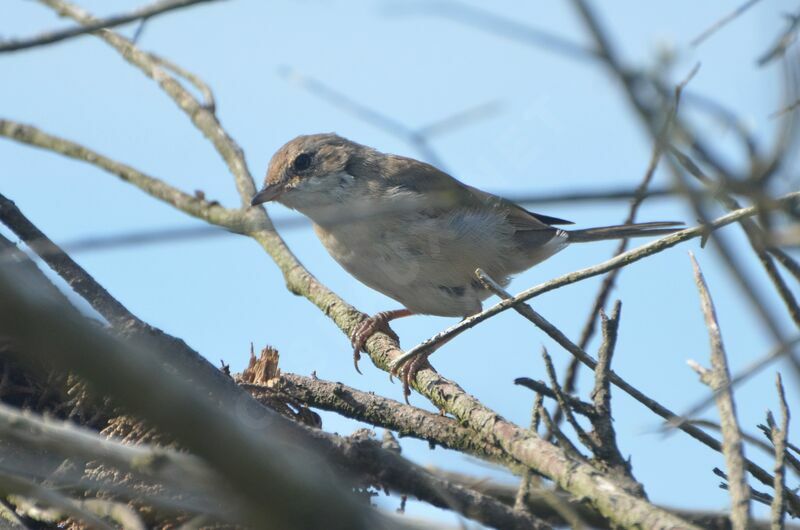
<point x="141" y="13"/>
<point x="722" y="22"/>
<point x="83" y="284"/>
<point x="252" y="456"/>
<point x="194" y="206"/>
<point x="202" y="117"/>
<point x="579" y="479"/>
<point x="528" y="312"/>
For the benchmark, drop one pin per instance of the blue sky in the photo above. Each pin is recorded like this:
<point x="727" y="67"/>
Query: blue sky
<point x="562" y="125"/>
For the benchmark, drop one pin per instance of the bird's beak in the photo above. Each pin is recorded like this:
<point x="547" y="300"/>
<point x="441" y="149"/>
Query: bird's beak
<point x="270" y="192"/>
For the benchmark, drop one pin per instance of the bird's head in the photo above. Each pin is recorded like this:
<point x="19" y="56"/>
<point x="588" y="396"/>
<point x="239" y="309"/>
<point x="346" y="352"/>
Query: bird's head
<point x="309" y="172"/>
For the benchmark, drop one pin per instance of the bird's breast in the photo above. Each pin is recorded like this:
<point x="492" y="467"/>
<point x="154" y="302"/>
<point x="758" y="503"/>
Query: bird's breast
<point x="427" y="263"/>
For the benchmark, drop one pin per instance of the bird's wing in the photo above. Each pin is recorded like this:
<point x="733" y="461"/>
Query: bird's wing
<point x="445" y="192"/>
<point x="521" y="218"/>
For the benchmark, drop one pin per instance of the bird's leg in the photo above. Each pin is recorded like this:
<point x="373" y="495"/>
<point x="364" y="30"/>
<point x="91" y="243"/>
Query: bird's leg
<point x="368" y="326"/>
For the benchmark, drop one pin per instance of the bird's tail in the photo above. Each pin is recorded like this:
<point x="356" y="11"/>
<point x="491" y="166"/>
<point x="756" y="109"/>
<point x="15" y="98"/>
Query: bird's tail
<point x="623" y="231"/>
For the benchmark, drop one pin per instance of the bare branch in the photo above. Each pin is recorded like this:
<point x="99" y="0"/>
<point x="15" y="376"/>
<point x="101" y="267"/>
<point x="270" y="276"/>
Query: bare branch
<point x="650" y="117"/>
<point x="722" y="22"/>
<point x="77" y="278"/>
<point x="787" y="37"/>
<point x="571" y="375"/>
<point x="194" y="206"/>
<point x="779" y="438"/>
<point x="551" y="373"/>
<point x="408" y="478"/>
<point x="201" y="117"/>
<point x="417" y="138"/>
<point x="603" y="434"/>
<point x="539" y="504"/>
<point x="718" y="378"/>
<point x="249" y="462"/>
<point x="489" y="22"/>
<point x="70" y="440"/>
<point x="754" y="367"/>
<point x="380" y="411"/>
<point x="581" y="407"/>
<point x="755" y="237"/>
<point x="651" y="404"/>
<point x="140" y="13"/>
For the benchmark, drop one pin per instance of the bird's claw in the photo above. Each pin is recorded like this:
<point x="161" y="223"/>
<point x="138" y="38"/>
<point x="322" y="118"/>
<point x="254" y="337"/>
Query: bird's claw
<point x="406" y="369"/>
<point x="364" y="330"/>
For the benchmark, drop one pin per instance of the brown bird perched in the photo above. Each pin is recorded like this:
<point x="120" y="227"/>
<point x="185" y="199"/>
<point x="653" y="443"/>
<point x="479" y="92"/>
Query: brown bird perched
<point x="413" y="232"/>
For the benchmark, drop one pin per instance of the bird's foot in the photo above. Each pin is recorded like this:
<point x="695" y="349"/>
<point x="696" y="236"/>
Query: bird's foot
<point x="408" y="371"/>
<point x="367" y="327"/>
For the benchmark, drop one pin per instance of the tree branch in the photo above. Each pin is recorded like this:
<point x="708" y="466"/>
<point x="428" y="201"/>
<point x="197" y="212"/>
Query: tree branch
<point x="141" y="13"/>
<point x="718" y="379"/>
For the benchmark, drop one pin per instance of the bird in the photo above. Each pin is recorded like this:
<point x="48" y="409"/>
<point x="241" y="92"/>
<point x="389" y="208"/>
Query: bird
<point x="413" y="232"/>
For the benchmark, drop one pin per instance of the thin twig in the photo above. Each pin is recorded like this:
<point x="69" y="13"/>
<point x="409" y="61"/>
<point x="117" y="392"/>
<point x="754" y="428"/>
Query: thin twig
<point x="638" y="395"/>
<point x="140" y="13"/>
<point x="786" y="38"/>
<point x="504" y="27"/>
<point x="551" y="373"/>
<point x="622" y="260"/>
<point x="563" y="442"/>
<point x="785" y="110"/>
<point x="203" y="118"/>
<point x="755" y="236"/>
<point x="589" y="326"/>
<point x="747" y="437"/>
<point x="581" y="407"/>
<point x="718" y="378"/>
<point x="209" y="102"/>
<point x="722" y="22"/>
<point x="417" y="138"/>
<point x="746" y="373"/>
<point x="649" y="115"/>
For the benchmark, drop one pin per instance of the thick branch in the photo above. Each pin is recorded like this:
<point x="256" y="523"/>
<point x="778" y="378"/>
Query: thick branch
<point x="382" y="412"/>
<point x="250" y="463"/>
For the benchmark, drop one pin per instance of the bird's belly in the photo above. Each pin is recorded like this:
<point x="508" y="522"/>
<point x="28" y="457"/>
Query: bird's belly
<point x="428" y="265"/>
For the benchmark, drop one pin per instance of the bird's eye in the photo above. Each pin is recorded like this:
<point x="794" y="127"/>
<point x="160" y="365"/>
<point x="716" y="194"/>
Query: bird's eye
<point x="302" y="162"/>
